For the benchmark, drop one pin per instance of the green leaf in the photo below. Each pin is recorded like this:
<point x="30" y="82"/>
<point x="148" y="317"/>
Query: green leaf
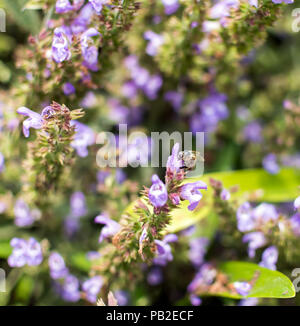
<point x="28" y="20"/>
<point x="79" y="261"/>
<point x="281" y="187"/>
<point x="267" y="283"/>
<point x="278" y="188"/>
<point x="24" y="289"/>
<point x="34" y="4"/>
<point x="5" y="250"/>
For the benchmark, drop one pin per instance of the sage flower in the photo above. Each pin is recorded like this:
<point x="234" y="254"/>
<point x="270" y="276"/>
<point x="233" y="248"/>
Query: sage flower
<point x="60" y="47"/>
<point x="92" y="287"/>
<point x="269" y="258"/>
<point x="34" y="120"/>
<point x="154" y="42"/>
<point x="110" y="228"/>
<point x="23" y="215"/>
<point x="63" y="6"/>
<point x="70" y="289"/>
<point x="25" y="253"/>
<point x="191" y="192"/>
<point x="242" y="288"/>
<point x="58" y="269"/>
<point x="83" y="138"/>
<point x="158" y="194"/>
<point x="171" y="6"/>
<point x="164" y="252"/>
<point x="255" y="240"/>
<point x="98" y="5"/>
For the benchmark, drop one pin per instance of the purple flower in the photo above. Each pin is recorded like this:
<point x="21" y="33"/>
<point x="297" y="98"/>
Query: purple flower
<point x="222" y="8"/>
<point x="163" y="252"/>
<point x="60" y="48"/>
<point x="2" y="165"/>
<point x="174" y="163"/>
<point x="80" y="23"/>
<point x="89" y="52"/>
<point x="120" y="176"/>
<point x="158" y="194"/>
<point x="171" y="6"/>
<point x="63" y="6"/>
<point x="110" y="229"/>
<point x="102" y="176"/>
<point x="195" y="300"/>
<point x="154" y="42"/>
<point x="295" y="224"/>
<point x="283" y="1"/>
<point x="270" y="163"/>
<point x="225" y="194"/>
<point x="297" y="203"/>
<point x="155" y="276"/>
<point x="25" y="253"/>
<point x="89" y="100"/>
<point x="253" y="132"/>
<point x="212" y="110"/>
<point x="245" y="220"/>
<point x="78" y="204"/>
<point x="253" y="3"/>
<point x="122" y="297"/>
<point x="190" y="192"/>
<point x="68" y="89"/>
<point x="71" y="226"/>
<point x="175" y="98"/>
<point x="83" y="138"/>
<point x="129" y="89"/>
<point x="269" y="258"/>
<point x="205" y="276"/>
<point x="70" y="289"/>
<point x="118" y="113"/>
<point x="153" y="86"/>
<point x="57" y="266"/>
<point x="242" y="288"/>
<point x="93" y="255"/>
<point x="197" y="251"/>
<point x="256" y="240"/>
<point x="265" y="213"/>
<point x="23" y="215"/>
<point x="98" y="5"/>
<point x="92" y="287"/>
<point x="34" y="120"/>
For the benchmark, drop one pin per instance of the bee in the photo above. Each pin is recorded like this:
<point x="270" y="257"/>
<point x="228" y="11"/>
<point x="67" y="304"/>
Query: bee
<point x="189" y="159"/>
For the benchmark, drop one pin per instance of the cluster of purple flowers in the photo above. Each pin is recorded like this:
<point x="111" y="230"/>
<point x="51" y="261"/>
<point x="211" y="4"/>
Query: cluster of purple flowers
<point x="67" y="285"/>
<point x="23" y="215"/>
<point x="154" y="42"/>
<point x="171" y="6"/>
<point x="211" y="111"/>
<point x="158" y="194"/>
<point x="25" y="252"/>
<point x="142" y="79"/>
<point x="249" y="219"/>
<point x="79" y="26"/>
